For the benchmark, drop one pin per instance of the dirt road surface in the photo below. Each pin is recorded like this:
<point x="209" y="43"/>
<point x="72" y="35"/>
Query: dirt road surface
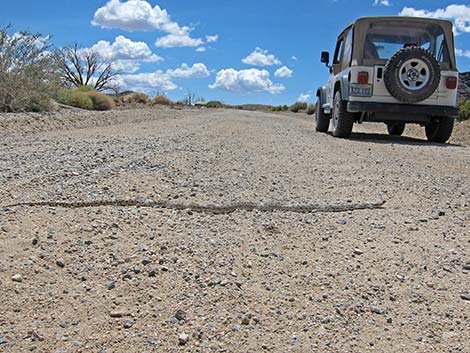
<point x="187" y="231"/>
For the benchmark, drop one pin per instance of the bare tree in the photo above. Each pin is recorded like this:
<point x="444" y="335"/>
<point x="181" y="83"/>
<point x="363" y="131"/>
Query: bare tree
<point x="83" y="67"/>
<point x="189" y="98"/>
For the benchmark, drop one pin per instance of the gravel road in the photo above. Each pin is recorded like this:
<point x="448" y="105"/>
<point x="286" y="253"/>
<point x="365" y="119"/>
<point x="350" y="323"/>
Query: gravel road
<point x="111" y="261"/>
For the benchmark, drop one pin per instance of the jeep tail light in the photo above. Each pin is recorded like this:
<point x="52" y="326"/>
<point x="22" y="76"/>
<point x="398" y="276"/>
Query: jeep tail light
<point x="363" y="78"/>
<point x="451" y="82"/>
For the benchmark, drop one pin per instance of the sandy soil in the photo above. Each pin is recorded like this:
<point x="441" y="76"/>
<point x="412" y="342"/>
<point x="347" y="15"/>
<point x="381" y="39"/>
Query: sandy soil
<point x="78" y="277"/>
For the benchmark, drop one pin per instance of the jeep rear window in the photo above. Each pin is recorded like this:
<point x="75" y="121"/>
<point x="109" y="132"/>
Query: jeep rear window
<point x="384" y="39"/>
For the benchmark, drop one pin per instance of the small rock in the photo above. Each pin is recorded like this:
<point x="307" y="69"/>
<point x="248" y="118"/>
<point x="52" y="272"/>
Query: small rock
<point x="465" y="296"/>
<point x="389" y="320"/>
<point x="3" y="340"/>
<point x="358" y="252"/>
<point x="153" y="273"/>
<point x="466" y="267"/>
<point x="17" y="278"/>
<point x="152" y="341"/>
<point x="377" y="310"/>
<point x="183" y="339"/>
<point x="111" y="285"/>
<point x="180" y="315"/>
<point x="341" y="222"/>
<point x="245" y="320"/>
<point x="35" y="241"/>
<point x="146" y="262"/>
<point x="327" y="320"/>
<point x="118" y="313"/>
<point x="128" y="324"/>
<point x="60" y="262"/>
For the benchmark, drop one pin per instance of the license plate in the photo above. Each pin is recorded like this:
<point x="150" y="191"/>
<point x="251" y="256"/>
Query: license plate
<point x="361" y="90"/>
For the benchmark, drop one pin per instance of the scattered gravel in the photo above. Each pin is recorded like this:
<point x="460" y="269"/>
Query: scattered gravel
<point x="132" y="279"/>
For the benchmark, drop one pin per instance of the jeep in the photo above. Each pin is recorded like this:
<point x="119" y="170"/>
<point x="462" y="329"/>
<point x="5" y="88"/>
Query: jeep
<point x="394" y="70"/>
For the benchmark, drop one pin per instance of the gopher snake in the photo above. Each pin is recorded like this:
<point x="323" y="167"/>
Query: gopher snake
<point x="207" y="208"/>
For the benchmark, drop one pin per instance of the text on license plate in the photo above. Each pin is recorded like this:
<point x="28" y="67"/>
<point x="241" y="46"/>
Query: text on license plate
<point x="361" y="90"/>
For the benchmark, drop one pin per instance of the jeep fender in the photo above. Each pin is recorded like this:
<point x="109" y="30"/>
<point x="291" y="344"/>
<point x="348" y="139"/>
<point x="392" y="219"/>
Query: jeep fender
<point x="343" y="84"/>
<point x="321" y="93"/>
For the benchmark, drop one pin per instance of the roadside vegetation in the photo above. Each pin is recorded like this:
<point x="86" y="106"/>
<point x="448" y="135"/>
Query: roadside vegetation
<point x="464" y="106"/>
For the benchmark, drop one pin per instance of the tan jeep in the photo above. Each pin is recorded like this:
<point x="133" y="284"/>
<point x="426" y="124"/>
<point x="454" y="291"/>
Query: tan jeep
<point x="395" y="70"/>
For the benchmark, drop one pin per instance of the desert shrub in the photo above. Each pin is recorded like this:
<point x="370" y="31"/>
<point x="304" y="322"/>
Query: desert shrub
<point x="74" y="99"/>
<point x="280" y="108"/>
<point x="135" y="98"/>
<point x="310" y="109"/>
<point x="296" y="107"/>
<point x="84" y="89"/>
<point x="26" y="72"/>
<point x="214" y="104"/>
<point x="161" y="100"/>
<point x="101" y="101"/>
<point x="464" y="106"/>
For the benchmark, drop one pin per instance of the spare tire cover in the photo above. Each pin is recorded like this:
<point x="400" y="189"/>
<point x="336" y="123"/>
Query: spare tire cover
<point x="412" y="75"/>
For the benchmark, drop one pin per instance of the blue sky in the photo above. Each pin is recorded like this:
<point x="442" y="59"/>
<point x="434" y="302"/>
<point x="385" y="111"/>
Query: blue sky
<point x="262" y="51"/>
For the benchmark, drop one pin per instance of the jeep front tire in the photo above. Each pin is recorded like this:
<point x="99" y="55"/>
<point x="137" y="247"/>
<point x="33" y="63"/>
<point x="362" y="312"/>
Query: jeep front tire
<point x="343" y="121"/>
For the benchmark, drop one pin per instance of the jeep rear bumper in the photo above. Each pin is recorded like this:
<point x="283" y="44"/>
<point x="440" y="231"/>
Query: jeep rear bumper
<point x="405" y="109"/>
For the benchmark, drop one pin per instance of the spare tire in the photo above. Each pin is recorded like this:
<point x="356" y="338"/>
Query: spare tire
<point x="412" y="75"/>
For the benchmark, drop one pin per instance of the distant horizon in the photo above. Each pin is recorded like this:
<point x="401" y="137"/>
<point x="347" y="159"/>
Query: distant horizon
<point x="264" y="52"/>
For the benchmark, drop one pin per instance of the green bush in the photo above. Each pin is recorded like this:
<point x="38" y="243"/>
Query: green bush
<point x="464" y="106"/>
<point x="214" y="104"/>
<point x="74" y="99"/>
<point x="84" y="89"/>
<point x="298" y="107"/>
<point x="135" y="98"/>
<point x="311" y="109"/>
<point x="161" y="100"/>
<point x="26" y="72"/>
<point x="100" y="101"/>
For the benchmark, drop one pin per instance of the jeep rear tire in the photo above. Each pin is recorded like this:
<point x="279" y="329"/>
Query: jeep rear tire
<point x="343" y="121"/>
<point x="440" y="130"/>
<point x="396" y="129"/>
<point x="412" y="75"/>
<point x="322" y="121"/>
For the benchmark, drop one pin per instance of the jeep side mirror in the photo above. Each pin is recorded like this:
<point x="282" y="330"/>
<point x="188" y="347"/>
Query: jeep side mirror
<point x="325" y="57"/>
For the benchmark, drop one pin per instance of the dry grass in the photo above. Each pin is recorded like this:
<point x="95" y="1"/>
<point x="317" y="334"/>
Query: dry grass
<point x="135" y="98"/>
<point x="101" y="101"/>
<point x="162" y="100"/>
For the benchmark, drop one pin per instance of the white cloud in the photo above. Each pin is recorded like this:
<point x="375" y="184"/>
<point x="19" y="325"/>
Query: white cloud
<point x="462" y="53"/>
<point x="159" y="80"/>
<point x="261" y="57"/>
<point x="381" y="3"/>
<point x="145" y="82"/>
<point x="198" y="70"/>
<point x="125" y="49"/>
<point x="246" y="81"/>
<point x="139" y="15"/>
<point x="283" y="72"/>
<point x="201" y="49"/>
<point x="125" y="54"/>
<point x="304" y="97"/>
<point x="294" y="58"/>
<point x="126" y="66"/>
<point x="176" y="40"/>
<point x="212" y="39"/>
<point x="459" y="14"/>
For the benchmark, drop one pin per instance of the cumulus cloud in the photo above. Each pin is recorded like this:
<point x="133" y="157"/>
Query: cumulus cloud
<point x="246" y="81"/>
<point x="198" y="70"/>
<point x="458" y="14"/>
<point x="283" y="72"/>
<point x="125" y="49"/>
<point x="212" y="39"/>
<point x="305" y="97"/>
<point x="145" y="82"/>
<point x="125" y="54"/>
<point x="381" y="3"/>
<point x="462" y="53"/>
<point x="294" y="58"/>
<point x="261" y="57"/>
<point x="160" y="80"/>
<point x="139" y="15"/>
<point x="201" y="49"/>
<point x="177" y="40"/>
